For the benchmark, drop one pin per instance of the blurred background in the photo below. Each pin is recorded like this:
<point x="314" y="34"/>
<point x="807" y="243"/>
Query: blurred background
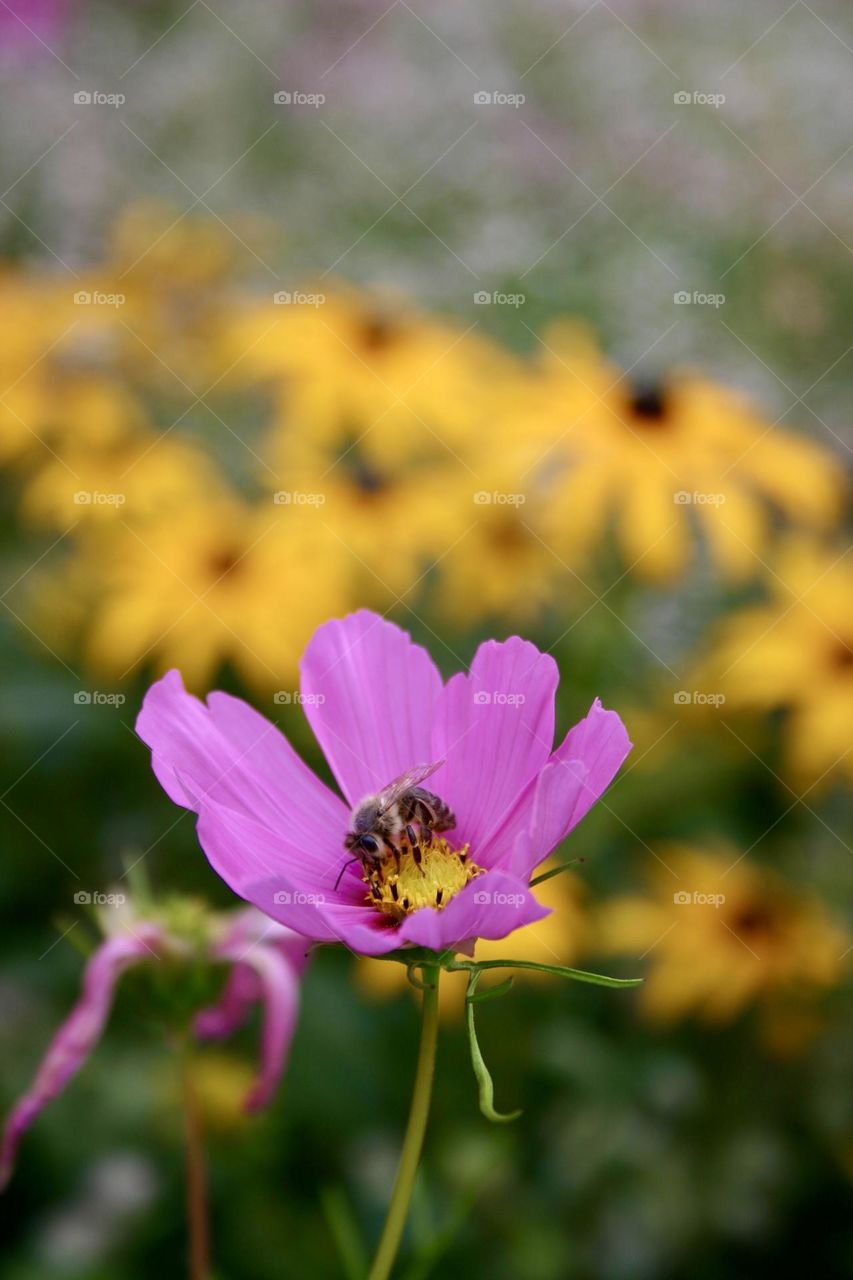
<point x="519" y="318"/>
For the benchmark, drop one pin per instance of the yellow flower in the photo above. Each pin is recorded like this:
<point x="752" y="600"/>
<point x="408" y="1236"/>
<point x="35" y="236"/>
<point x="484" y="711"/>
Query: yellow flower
<point x="796" y="652"/>
<point x="177" y="280"/>
<point x="649" y="459"/>
<point x="720" y="933"/>
<point x="205" y="583"/>
<point x="369" y="368"/>
<point x="138" y="477"/>
<point x="558" y="939"/>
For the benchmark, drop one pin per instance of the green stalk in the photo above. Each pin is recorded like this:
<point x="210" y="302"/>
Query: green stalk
<point x="413" y="1142"/>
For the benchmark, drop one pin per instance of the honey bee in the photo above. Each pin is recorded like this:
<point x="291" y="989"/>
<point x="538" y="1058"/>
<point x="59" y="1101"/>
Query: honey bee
<point x="380" y="821"/>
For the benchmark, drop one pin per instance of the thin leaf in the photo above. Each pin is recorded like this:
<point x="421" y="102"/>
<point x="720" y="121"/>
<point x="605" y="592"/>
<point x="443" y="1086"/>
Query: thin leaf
<point x="559" y="971"/>
<point x="484" y="1080"/>
<point x="343" y="1226"/>
<point x="500" y="989"/>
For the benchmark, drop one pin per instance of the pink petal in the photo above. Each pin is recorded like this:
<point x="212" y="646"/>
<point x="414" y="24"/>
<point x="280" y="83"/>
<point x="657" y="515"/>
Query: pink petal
<point x="78" y="1034"/>
<point x="495" y="729"/>
<point x="576" y="776"/>
<point x="268" y="962"/>
<point x="227" y="753"/>
<point x="370" y="696"/>
<point x="491" y="906"/>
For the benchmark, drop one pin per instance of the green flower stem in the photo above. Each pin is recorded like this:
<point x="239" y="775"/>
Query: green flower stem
<point x="198" y="1230"/>
<point x="407" y="1169"/>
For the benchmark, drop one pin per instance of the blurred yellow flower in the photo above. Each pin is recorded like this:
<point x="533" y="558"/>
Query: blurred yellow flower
<point x="209" y="582"/>
<point x="720" y="933"/>
<point x="141" y="476"/>
<point x="649" y="459"/>
<point x="358" y="366"/>
<point x="795" y="651"/>
<point x="557" y="939"/>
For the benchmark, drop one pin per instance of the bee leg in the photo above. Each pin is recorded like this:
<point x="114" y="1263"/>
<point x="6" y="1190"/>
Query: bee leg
<point x="426" y="833"/>
<point x="411" y="837"/>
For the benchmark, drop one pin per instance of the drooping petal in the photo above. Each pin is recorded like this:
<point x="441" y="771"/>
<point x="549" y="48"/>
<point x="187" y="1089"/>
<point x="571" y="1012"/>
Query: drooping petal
<point x="268" y="961"/>
<point x="576" y="776"/>
<point x="370" y="695"/>
<point x="495" y="729"/>
<point x="490" y="906"/>
<point x="79" y="1033"/>
<point x="226" y="753"/>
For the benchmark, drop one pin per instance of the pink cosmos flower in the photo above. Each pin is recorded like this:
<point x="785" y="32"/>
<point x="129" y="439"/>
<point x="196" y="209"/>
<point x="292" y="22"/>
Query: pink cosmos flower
<point x="378" y="707"/>
<point x="266" y="962"/>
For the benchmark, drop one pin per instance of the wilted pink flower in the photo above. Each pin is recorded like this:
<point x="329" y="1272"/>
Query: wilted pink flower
<point x="266" y="962"/>
<point x="378" y="707"/>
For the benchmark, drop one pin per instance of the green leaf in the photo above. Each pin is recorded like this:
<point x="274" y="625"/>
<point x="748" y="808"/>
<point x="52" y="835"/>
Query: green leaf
<point x="343" y="1226"/>
<point x="500" y="989"/>
<point x="484" y="1080"/>
<point x="559" y="971"/>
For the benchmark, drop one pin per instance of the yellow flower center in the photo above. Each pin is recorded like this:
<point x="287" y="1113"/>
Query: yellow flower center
<point x="426" y="875"/>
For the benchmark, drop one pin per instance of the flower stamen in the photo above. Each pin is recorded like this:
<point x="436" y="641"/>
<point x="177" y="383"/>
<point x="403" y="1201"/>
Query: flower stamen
<point x="423" y="874"/>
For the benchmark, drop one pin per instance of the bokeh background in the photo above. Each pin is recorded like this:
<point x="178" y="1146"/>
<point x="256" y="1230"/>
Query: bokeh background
<point x="495" y="318"/>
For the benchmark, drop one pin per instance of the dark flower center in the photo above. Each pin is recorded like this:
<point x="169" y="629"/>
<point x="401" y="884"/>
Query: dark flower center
<point x="378" y="333"/>
<point x="842" y="657"/>
<point x="649" y="404"/>
<point x="224" y="561"/>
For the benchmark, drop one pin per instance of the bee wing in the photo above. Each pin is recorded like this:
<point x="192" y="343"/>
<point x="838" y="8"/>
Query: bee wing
<point x="411" y="778"/>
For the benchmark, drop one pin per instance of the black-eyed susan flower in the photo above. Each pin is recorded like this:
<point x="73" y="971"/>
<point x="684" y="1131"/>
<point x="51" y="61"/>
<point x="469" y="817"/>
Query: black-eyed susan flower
<point x="795" y="652"/>
<point x="650" y="459"/>
<point x="720" y="933"/>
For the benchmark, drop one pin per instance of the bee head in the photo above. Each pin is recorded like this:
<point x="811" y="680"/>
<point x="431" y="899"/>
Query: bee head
<point x="361" y="843"/>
